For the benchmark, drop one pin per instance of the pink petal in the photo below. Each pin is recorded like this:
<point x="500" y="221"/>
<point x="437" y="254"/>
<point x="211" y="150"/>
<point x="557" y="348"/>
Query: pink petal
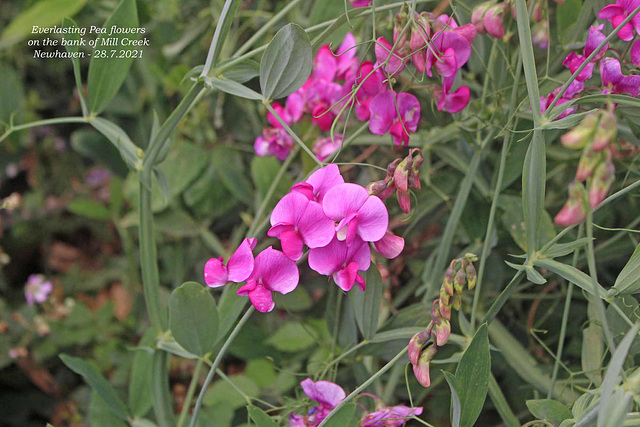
<point x="626" y="32"/>
<point x="295" y="105"/>
<point x="215" y="273"/>
<point x="447" y="65"/>
<point x="383" y="113"/>
<point x="305" y="189"/>
<point x="261" y="147"/>
<point x="399" y="134"/>
<point x="331" y="258"/>
<point x="383" y="52"/>
<point x="390" y="246"/>
<point x="261" y="299"/>
<point x="240" y="265"/>
<point x="610" y="71"/>
<point x="322" y="117"/>
<point x="344" y="199"/>
<point x="362" y="109"/>
<point x="280" y="110"/>
<point x="453" y="102"/>
<point x="324" y="64"/>
<point x="289" y="209"/>
<point x="373" y="219"/>
<point x="610" y="11"/>
<point x="315" y="228"/>
<point x="493" y="21"/>
<point x="291" y="244"/>
<point x="467" y="31"/>
<point x="346" y="277"/>
<point x="635" y="53"/>
<point x="409" y="109"/>
<point x="326" y="393"/>
<point x="372" y="81"/>
<point x="324" y="179"/>
<point x="274" y="271"/>
<point x="593" y="41"/>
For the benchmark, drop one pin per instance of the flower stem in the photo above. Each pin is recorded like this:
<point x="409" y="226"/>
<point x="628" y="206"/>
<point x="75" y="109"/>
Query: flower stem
<point x="216" y="362"/>
<point x="292" y="134"/>
<point x="59" y="120"/>
<point x="190" y="392"/>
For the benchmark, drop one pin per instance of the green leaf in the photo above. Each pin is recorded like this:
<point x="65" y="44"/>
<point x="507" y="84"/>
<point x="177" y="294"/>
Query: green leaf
<point x="548" y="409"/>
<point x="566" y="16"/>
<point x="193" y="318"/>
<point x="45" y="13"/>
<point x="232" y="88"/>
<point x="230" y="306"/>
<point x="106" y="74"/>
<point x="286" y="64"/>
<point x="628" y="281"/>
<point x="533" y="276"/>
<point x="570" y="273"/>
<point x="98" y="383"/>
<point x="100" y="414"/>
<point x="455" y="400"/>
<point x="130" y="153"/>
<point x="98" y="148"/>
<point x="140" y="380"/>
<point x="562" y="249"/>
<point x="223" y="392"/>
<point x="263" y="172"/>
<point x="533" y="189"/>
<point x="292" y="337"/>
<point x="260" y="417"/>
<point x="513" y="221"/>
<point x="89" y="208"/>
<point x="230" y="167"/>
<point x="169" y="344"/>
<point x="366" y="304"/>
<point x="243" y="71"/>
<point x="592" y="349"/>
<point x="344" y="416"/>
<point x="472" y="377"/>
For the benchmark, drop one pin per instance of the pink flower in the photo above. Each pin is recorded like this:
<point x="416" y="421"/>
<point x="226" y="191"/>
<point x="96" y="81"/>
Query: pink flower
<point x="321" y="181"/>
<point x="618" y="12"/>
<point x="274" y="142"/>
<point x="37" y="289"/>
<point x="451" y="102"/>
<point x="493" y="19"/>
<point x="284" y="114"/>
<point x="326" y="393"/>
<point x="574" y="88"/>
<point x="615" y="82"/>
<point x="384" y="53"/>
<point x="574" y="60"/>
<point x="603" y="178"/>
<point x="573" y="211"/>
<point x="298" y="221"/>
<point x="420" y="35"/>
<point x="390" y="246"/>
<point x="394" y="416"/>
<point x="347" y="61"/>
<point x="342" y="262"/>
<point x="635" y="53"/>
<point x="324" y="147"/>
<point x="360" y="3"/>
<point x="237" y="270"/>
<point x="272" y="272"/>
<point x="372" y="82"/>
<point x="356" y="212"/>
<point x="384" y="115"/>
<point x="449" y="51"/>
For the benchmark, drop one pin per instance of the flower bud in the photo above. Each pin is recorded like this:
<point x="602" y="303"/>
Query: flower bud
<point x="606" y="131"/>
<point x="472" y="276"/>
<point x="443" y="331"/>
<point x="416" y="344"/>
<point x="401" y="174"/>
<point x="459" y="281"/>
<point x="588" y="162"/>
<point x="404" y="199"/>
<point x="581" y="135"/>
<point x="456" y="301"/>
<point x="414" y="177"/>
<point x="421" y="369"/>
<point x="494" y="19"/>
<point x="573" y="211"/>
<point x="536" y="14"/>
<point x="435" y="311"/>
<point x="603" y="178"/>
<point x="477" y="17"/>
<point x="400" y="40"/>
<point x="420" y="34"/>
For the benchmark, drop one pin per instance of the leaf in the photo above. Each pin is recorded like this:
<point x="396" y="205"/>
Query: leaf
<point x="548" y="409"/>
<point x="628" y="281"/>
<point x="619" y="408"/>
<point x="193" y="318"/>
<point x="592" y="351"/>
<point x="95" y="146"/>
<point x="286" y="64"/>
<point x="455" y="400"/>
<point x="264" y="170"/>
<point x="169" y="344"/>
<point x="472" y="377"/>
<point x="243" y="71"/>
<point x="343" y="417"/>
<point x="366" y="304"/>
<point x="223" y="392"/>
<point x="98" y="383"/>
<point x="570" y="273"/>
<point x="533" y="189"/>
<point x="130" y="153"/>
<point x="513" y="221"/>
<point x="142" y="422"/>
<point x="260" y="417"/>
<point x="566" y="16"/>
<point x="140" y="380"/>
<point x="292" y="337"/>
<point x="45" y="13"/>
<point x="533" y="276"/>
<point x="106" y="74"/>
<point x="230" y="305"/>
<point x="562" y="249"/>
<point x="232" y="87"/>
<point x="230" y="167"/>
<point x="100" y="415"/>
<point x="612" y="377"/>
<point x="89" y="208"/>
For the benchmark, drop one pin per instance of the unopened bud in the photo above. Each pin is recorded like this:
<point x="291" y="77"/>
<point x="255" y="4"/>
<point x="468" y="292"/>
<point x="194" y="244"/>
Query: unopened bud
<point x="416" y="345"/>
<point x="421" y="369"/>
<point x="420" y="34"/>
<point x="603" y="178"/>
<point x="606" y="131"/>
<point x="461" y="278"/>
<point x="404" y="199"/>
<point x="536" y="13"/>
<point x="400" y="40"/>
<point x="443" y="331"/>
<point x="588" y="162"/>
<point x="457" y="301"/>
<point x="477" y="17"/>
<point x="573" y="211"/>
<point x="401" y="174"/>
<point x="494" y="19"/>
<point x="472" y="276"/>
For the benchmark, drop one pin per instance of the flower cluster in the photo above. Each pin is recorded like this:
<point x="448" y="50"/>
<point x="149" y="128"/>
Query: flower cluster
<point x="421" y="352"/>
<point x="37" y="289"/>
<point x="594" y="136"/>
<point x="402" y="175"/>
<point x="329" y="395"/>
<point x="336" y="220"/>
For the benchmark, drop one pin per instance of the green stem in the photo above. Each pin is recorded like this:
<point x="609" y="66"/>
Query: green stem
<point x="222" y="28"/>
<point x="59" y="120"/>
<point x="161" y="396"/>
<point x="293" y="134"/>
<point x="190" y="392"/>
<point x="216" y="362"/>
<point x="501" y="404"/>
<point x="528" y="60"/>
<point x="364" y="385"/>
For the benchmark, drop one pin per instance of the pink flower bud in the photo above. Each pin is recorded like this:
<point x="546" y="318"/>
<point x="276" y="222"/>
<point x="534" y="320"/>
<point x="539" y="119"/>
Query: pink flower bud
<point x="536" y="15"/>
<point x="404" y="199"/>
<point x="477" y="17"/>
<point x="459" y="281"/>
<point x="573" y="211"/>
<point x="457" y="301"/>
<point x="421" y="369"/>
<point x="420" y="34"/>
<point x="472" y="276"/>
<point x="443" y="331"/>
<point x="606" y="131"/>
<point x="494" y="20"/>
<point x="587" y="164"/>
<point x="581" y="135"/>
<point x="400" y="40"/>
<point x="603" y="178"/>
<point x="416" y="344"/>
<point x="401" y="174"/>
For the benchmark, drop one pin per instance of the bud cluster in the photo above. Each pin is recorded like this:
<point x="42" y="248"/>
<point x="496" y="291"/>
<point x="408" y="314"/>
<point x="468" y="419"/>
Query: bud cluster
<point x="489" y="18"/>
<point x="423" y="345"/>
<point x="402" y="175"/>
<point x="594" y="136"/>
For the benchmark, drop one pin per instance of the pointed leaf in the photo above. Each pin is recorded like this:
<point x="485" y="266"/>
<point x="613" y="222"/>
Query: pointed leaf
<point x="366" y="304"/>
<point x="455" y="400"/>
<point x="548" y="409"/>
<point x="472" y="377"/>
<point x="628" y="281"/>
<point x="570" y="273"/>
<point x="260" y="417"/>
<point x="140" y="382"/>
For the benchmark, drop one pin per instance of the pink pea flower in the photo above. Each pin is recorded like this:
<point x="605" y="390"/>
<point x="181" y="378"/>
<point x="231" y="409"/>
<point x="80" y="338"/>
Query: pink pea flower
<point x="342" y="262"/>
<point x="284" y="114"/>
<point x="324" y="147"/>
<point x="272" y="272"/>
<point x="360" y="3"/>
<point x="477" y="16"/>
<point x="274" y="142"/>
<point x="37" y="289"/>
<point x="615" y="82"/>
<point x="394" y="416"/>
<point x="356" y="212"/>
<point x="618" y="12"/>
<point x="574" y="60"/>
<point x="494" y="19"/>
<point x="298" y="221"/>
<point x="449" y="50"/>
<point x="238" y="268"/>
<point x="420" y="35"/>
<point x="372" y="82"/>
<point x="574" y="88"/>
<point x="384" y="52"/>
<point x="326" y="393"/>
<point x="635" y="53"/>
<point x="384" y="115"/>
<point x="321" y="181"/>
<point x="390" y="246"/>
<point x="451" y="102"/>
<point x="347" y="61"/>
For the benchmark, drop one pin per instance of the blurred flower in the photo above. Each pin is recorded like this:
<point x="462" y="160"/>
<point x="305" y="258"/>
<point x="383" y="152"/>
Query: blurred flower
<point x="238" y="268"/>
<point x="603" y="178"/>
<point x="274" y="142"/>
<point x="324" y="147"/>
<point x="618" y="12"/>
<point x="360" y="3"/>
<point x="37" y="289"/>
<point x="635" y="53"/>
<point x="493" y="19"/>
<point x="477" y="16"/>
<point x="393" y="416"/>
<point x="17" y="352"/>
<point x="615" y="82"/>
<point x="540" y="35"/>
<point x="97" y="177"/>
<point x="272" y="272"/>
<point x="326" y="393"/>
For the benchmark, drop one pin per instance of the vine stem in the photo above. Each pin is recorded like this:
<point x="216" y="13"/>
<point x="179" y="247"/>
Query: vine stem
<point x="216" y="362"/>
<point x="190" y="392"/>
<point x="59" y="120"/>
<point x="293" y="134"/>
<point x="364" y="385"/>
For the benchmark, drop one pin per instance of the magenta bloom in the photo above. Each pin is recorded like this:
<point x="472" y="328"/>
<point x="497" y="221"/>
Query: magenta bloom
<point x="298" y="221"/>
<point x="574" y="88"/>
<point x="360" y="3"/>
<point x="398" y="118"/>
<point x="326" y="393"/>
<point x="321" y="181"/>
<point x="574" y="60"/>
<point x="383" y="51"/>
<point x="342" y="262"/>
<point x="274" y="142"/>
<point x="449" y="51"/>
<point x="284" y="114"/>
<point x="615" y="82"/>
<point x="372" y="82"/>
<point x="237" y="270"/>
<point x="390" y="246"/>
<point x="272" y="272"/>
<point x="451" y="102"/>
<point x="37" y="289"/>
<point x="635" y="53"/>
<point x="324" y="147"/>
<point x="356" y="212"/>
<point x="394" y="416"/>
<point x="618" y="12"/>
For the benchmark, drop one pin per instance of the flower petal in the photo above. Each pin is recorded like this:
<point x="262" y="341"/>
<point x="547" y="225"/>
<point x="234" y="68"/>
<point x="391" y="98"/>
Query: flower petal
<point x="383" y="112"/>
<point x="215" y="273"/>
<point x="275" y="271"/>
<point x="289" y="209"/>
<point x="373" y="220"/>
<point x="390" y="246"/>
<point x="291" y="244"/>
<point x="325" y="179"/>
<point x="326" y="393"/>
<point x="262" y="299"/>
<point x="240" y="265"/>
<point x="344" y="199"/>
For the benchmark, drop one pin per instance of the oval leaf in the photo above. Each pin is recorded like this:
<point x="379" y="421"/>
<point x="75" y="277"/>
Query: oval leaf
<point x="286" y="64"/>
<point x="548" y="409"/>
<point x="193" y="318"/>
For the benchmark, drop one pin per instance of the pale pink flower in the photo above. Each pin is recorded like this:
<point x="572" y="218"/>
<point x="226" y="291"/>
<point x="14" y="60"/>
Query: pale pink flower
<point x="326" y="393"/>
<point x="394" y="416"/>
<point x="324" y="147"/>
<point x="37" y="289"/>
